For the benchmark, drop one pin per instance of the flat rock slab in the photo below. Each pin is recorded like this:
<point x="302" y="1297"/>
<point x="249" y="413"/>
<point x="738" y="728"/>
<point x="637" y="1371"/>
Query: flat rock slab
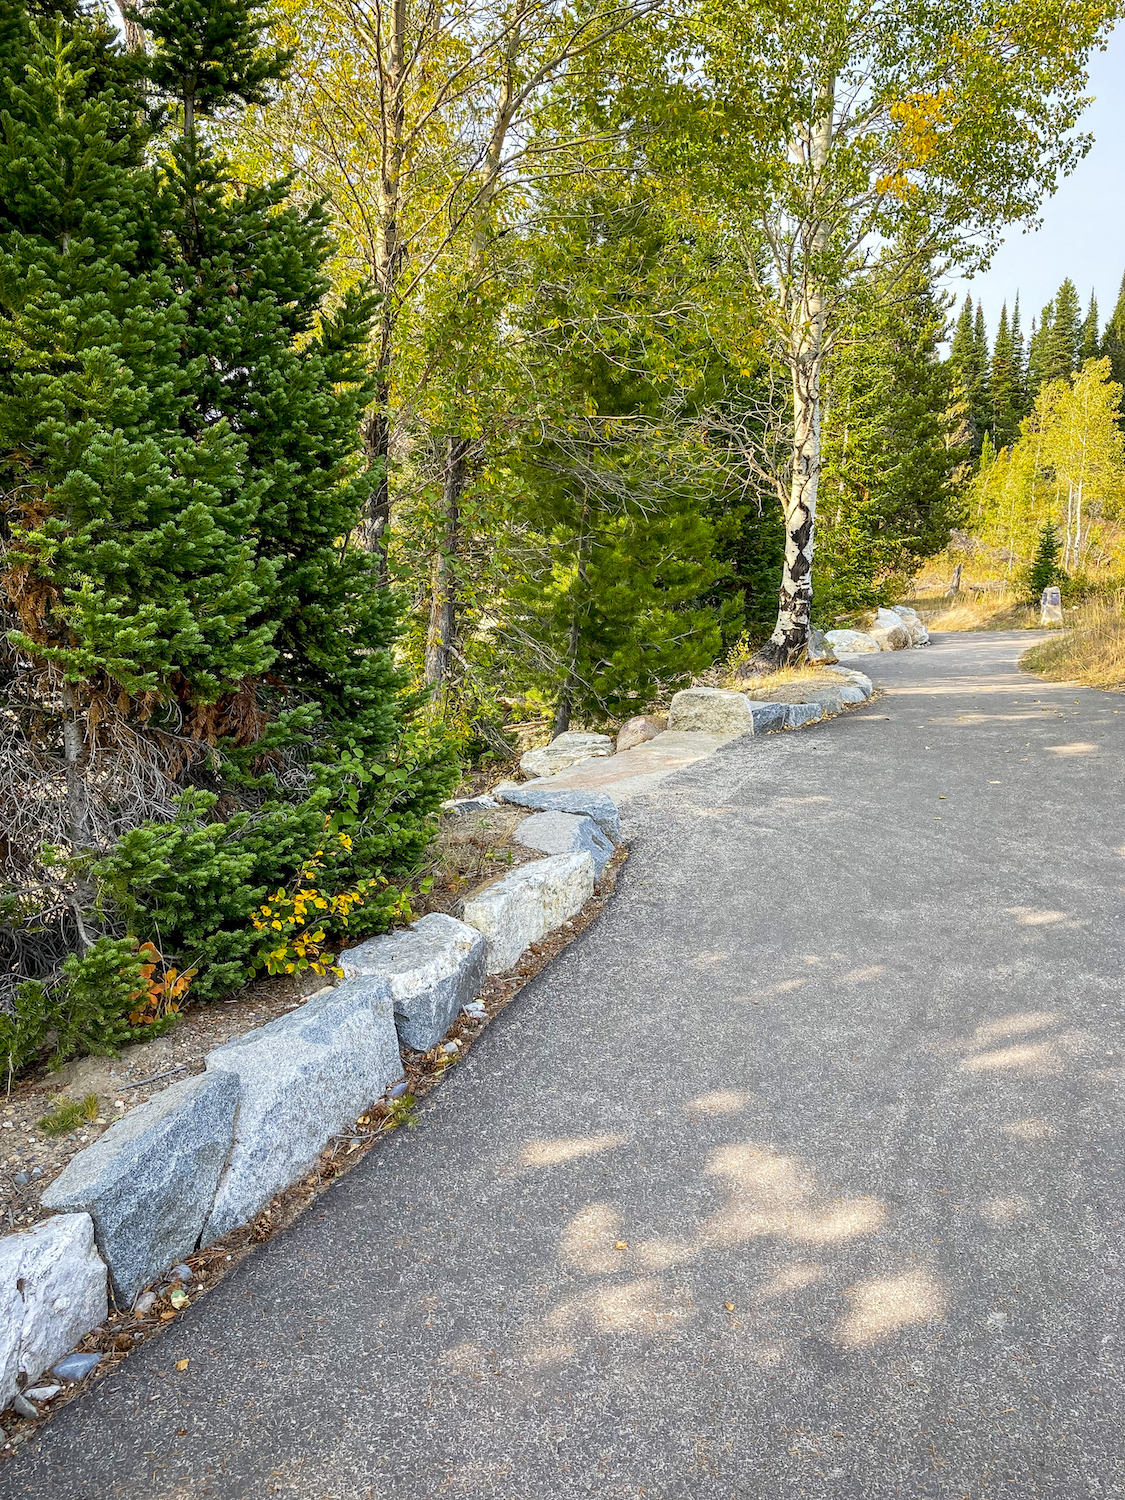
<point x="565" y="833"/>
<point x="545" y="796"/>
<point x="52" y="1293"/>
<point x="433" y="969"/>
<point x="565" y="750"/>
<point x="301" y="1078"/>
<point x="639" y="771"/>
<point x="465" y="807"/>
<point x="148" y="1183"/>
<point x="525" y="905"/>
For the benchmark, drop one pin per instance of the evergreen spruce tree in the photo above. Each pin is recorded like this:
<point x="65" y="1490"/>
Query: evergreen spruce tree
<point x="1089" y="335"/>
<point x="1021" y="402"/>
<point x="982" y="400"/>
<point x="1045" y="570"/>
<point x="888" y="501"/>
<point x="1113" y="340"/>
<point x="1004" y="384"/>
<point x="969" y="363"/>
<point x="1039" y="351"/>
<point x="1066" y="333"/>
<point x="189" y="645"/>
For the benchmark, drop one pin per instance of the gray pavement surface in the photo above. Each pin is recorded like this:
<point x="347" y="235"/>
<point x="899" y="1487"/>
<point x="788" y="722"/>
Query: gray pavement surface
<point x="799" y="1174"/>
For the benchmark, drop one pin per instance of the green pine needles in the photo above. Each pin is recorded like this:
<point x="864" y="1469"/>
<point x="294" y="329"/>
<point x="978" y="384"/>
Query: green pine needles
<point x="1045" y="569"/>
<point x="188" y="633"/>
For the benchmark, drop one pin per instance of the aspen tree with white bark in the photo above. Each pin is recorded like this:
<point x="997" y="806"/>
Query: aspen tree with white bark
<point x="864" y="139"/>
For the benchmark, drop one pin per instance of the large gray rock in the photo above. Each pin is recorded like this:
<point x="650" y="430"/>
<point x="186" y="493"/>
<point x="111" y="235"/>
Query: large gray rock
<point x="149" y="1181"/>
<point x="565" y="750"/>
<point x="919" y="635"/>
<point x="302" y="1078"/>
<point x="545" y="798"/>
<point x="529" y="902"/>
<point x="52" y="1294"/>
<point x="819" y="650"/>
<point x="565" y="833"/>
<point x="889" y="631"/>
<point x="712" y="710"/>
<point x="852" y="642"/>
<point x="433" y="969"/>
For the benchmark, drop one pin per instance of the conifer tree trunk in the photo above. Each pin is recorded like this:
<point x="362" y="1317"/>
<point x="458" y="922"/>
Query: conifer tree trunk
<point x="444" y="583"/>
<point x="574" y="638"/>
<point x="443" y="591"/>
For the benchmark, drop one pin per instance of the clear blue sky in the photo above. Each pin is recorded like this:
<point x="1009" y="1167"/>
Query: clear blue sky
<point x="1083" y="233"/>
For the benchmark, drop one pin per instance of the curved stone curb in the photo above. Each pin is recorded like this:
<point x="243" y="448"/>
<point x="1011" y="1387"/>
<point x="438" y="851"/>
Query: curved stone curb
<point x="205" y="1155"/>
<point x="52" y="1293"/>
<point x="433" y="969"/>
<point x="729" y="712"/>
<point x="525" y="905"/>
<point x="148" y="1181"/>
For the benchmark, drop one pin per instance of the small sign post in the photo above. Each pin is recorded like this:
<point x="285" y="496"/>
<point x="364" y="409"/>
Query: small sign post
<point x="1050" y="606"/>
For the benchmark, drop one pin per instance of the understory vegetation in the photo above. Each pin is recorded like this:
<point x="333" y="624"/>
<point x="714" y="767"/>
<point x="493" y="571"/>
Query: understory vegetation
<point x="378" y="380"/>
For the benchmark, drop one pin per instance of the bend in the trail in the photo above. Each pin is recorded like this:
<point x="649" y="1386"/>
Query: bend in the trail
<point x="798" y="1174"/>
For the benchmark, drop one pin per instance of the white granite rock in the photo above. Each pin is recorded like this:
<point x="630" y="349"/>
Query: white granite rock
<point x="565" y="833"/>
<point x="302" y="1078"/>
<point x="433" y="969"/>
<point x="52" y="1293"/>
<point x="852" y="642"/>
<point x="712" y="710"/>
<point x="890" y="631"/>
<point x="919" y="635"/>
<point x="565" y="750"/>
<point x="528" y="903"/>
<point x="148" y="1182"/>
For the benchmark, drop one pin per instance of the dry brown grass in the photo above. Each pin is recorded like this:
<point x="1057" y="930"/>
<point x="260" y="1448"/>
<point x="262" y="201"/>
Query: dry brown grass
<point x="777" y="687"/>
<point x="1092" y="651"/>
<point x="995" y="610"/>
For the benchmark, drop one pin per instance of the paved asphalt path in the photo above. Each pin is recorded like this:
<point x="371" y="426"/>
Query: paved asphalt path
<point x="798" y="1175"/>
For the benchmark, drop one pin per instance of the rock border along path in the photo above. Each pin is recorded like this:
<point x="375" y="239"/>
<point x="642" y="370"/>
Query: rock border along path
<point x="798" y="1174"/>
<point x="270" y="1100"/>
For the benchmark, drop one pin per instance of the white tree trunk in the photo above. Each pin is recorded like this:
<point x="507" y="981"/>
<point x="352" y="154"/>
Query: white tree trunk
<point x="805" y="357"/>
